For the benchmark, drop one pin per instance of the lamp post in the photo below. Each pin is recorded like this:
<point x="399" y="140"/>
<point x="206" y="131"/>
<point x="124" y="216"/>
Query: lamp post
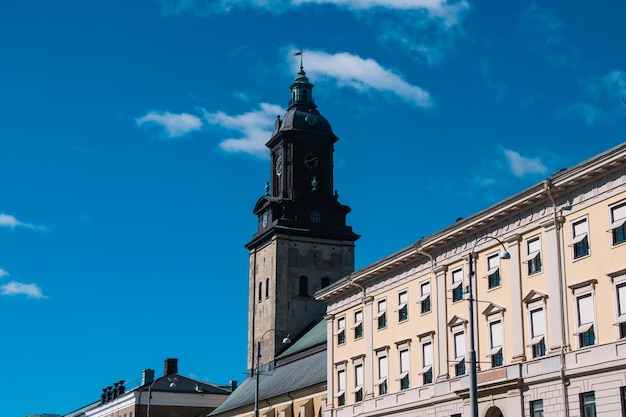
<point x="286" y="341"/>
<point x="473" y="390"/>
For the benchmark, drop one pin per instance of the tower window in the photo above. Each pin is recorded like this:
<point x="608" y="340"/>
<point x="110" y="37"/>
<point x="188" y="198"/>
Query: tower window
<point x="267" y="288"/>
<point x="325" y="282"/>
<point x="303" y="289"/>
<point x="260" y="291"/>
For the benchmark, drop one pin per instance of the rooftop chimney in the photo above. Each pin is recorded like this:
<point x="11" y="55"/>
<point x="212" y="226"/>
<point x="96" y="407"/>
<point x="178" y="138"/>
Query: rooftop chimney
<point x="171" y="366"/>
<point x="147" y="376"/>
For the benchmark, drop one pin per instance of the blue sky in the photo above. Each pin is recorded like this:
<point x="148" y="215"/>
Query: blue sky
<point x="132" y="153"/>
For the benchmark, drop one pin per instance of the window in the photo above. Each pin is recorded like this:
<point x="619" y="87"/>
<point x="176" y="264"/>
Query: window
<point x="580" y="241"/>
<point x="493" y="271"/>
<point x="533" y="259"/>
<point x="620" y="290"/>
<point x="495" y="333"/>
<point x="341" y="387"/>
<point x="618" y="223"/>
<point x="457" y="285"/>
<point x="267" y="288"/>
<point x="536" y="408"/>
<point x="403" y="308"/>
<point x="404" y="369"/>
<point x="588" y="404"/>
<point x="425" y="297"/>
<point x="383" y="375"/>
<point x="427" y="358"/>
<point x="341" y="331"/>
<point x="381" y="315"/>
<point x="585" y="310"/>
<point x="459" y="353"/>
<point x="538" y="332"/>
<point x="303" y="289"/>
<point x="260" y="291"/>
<point x="358" y="324"/>
<point x="325" y="282"/>
<point x="622" y="397"/>
<point x="358" y="383"/>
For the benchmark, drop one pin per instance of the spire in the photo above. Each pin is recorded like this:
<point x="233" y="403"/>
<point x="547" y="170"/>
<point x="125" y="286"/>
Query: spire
<point x="301" y="89"/>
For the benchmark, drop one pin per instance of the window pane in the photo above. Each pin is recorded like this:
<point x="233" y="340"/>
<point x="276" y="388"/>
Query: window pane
<point x="457" y="275"/>
<point x="383" y="369"/>
<point x="496" y="334"/>
<point x="404" y="361"/>
<point x="358" y="371"/>
<point x="427" y="349"/>
<point x="618" y="212"/>
<point x="459" y="345"/>
<point x="493" y="262"/>
<point x="585" y="309"/>
<point x="581" y="228"/>
<point x="534" y="245"/>
<point x="425" y="288"/>
<point x="621" y="299"/>
<point x="538" y="322"/>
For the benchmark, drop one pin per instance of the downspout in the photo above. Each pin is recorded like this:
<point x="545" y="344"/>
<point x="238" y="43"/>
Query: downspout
<point x="558" y="230"/>
<point x="418" y="248"/>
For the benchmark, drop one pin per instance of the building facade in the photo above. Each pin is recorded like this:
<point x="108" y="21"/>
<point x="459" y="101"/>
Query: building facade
<point x="549" y="321"/>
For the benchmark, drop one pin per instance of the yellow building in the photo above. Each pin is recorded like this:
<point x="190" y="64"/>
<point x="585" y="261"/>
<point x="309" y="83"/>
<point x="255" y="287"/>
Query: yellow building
<point x="549" y="321"/>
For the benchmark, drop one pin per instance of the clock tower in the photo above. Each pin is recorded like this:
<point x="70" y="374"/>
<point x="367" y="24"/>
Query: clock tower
<point x="302" y="243"/>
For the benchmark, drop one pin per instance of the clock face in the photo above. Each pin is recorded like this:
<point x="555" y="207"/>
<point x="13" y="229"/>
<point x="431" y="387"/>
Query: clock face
<point x="264" y="220"/>
<point x="311" y="160"/>
<point x="315" y="217"/>
<point x="278" y="165"/>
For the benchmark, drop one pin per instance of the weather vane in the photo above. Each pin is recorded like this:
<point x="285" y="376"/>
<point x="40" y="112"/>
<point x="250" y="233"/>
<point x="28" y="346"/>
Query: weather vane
<point x="299" y="53"/>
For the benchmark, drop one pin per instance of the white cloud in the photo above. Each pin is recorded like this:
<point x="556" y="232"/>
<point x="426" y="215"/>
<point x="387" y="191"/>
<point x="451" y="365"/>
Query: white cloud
<point x="17" y="288"/>
<point x="253" y="128"/>
<point x="6" y="220"/>
<point x="364" y="75"/>
<point x="176" y="125"/>
<point x="3" y="273"/>
<point x="421" y="29"/>
<point x="521" y="165"/>
<point x="589" y="113"/>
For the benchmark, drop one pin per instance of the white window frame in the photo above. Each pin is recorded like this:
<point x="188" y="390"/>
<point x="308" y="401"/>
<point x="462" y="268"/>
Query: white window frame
<point x="403" y="304"/>
<point x="358" y="321"/>
<point x="588" y="320"/>
<point x="358" y="379"/>
<point x="425" y="296"/>
<point x="404" y="366"/>
<point x="382" y="357"/>
<point x="496" y="337"/>
<point x="617" y="222"/>
<point x="381" y="312"/>
<point x="427" y="357"/>
<point x="457" y="281"/>
<point x="533" y="252"/>
<point x="618" y="281"/>
<point x="493" y="266"/>
<point x="457" y="350"/>
<point x="341" y="328"/>
<point x="340" y="371"/>
<point x="579" y="236"/>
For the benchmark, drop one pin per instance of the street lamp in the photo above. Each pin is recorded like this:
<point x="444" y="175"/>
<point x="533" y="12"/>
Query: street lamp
<point x="473" y="392"/>
<point x="286" y="341"/>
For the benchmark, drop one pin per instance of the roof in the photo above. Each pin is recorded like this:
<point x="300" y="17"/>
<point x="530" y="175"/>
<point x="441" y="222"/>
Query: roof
<point x="182" y="384"/>
<point x="306" y="368"/>
<point x="312" y="338"/>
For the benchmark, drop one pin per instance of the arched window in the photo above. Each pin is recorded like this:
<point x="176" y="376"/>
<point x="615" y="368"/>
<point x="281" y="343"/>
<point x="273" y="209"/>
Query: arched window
<point x="304" y="286"/>
<point x="267" y="288"/>
<point x="325" y="282"/>
<point x="260" y="290"/>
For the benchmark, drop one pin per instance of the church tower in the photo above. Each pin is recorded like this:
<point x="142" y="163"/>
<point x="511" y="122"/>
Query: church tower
<point x="302" y="242"/>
